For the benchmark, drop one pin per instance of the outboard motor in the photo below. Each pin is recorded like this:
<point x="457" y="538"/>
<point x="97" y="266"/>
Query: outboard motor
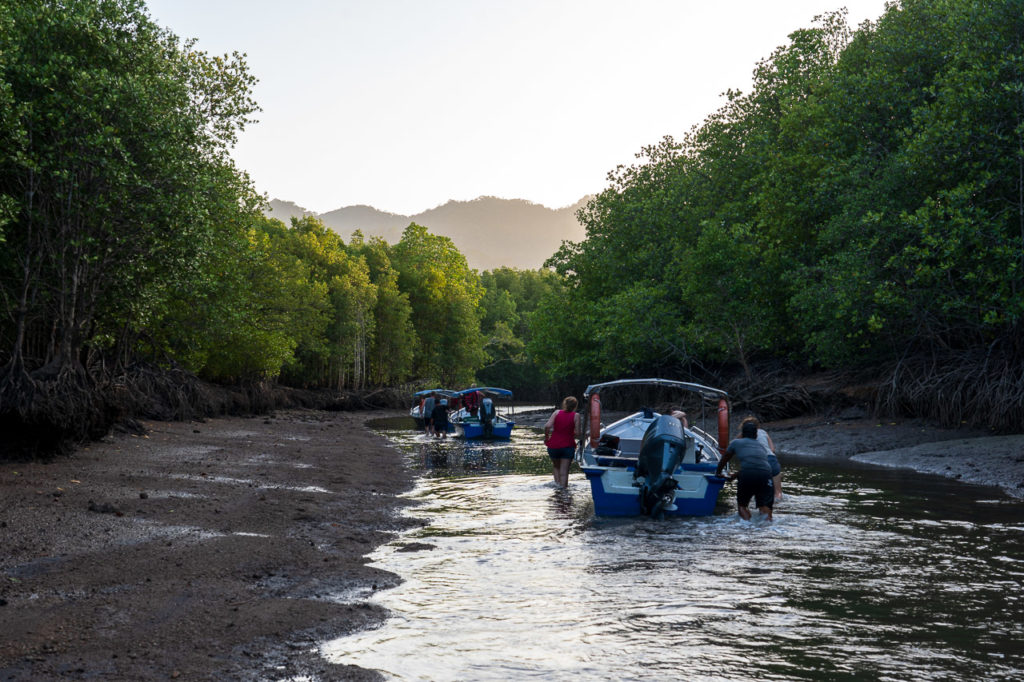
<point x="487" y="417"/>
<point x="661" y="451"/>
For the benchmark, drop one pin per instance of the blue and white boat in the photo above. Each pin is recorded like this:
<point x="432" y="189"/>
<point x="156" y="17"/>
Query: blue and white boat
<point x="497" y="424"/>
<point x="419" y="397"/>
<point x="649" y="463"/>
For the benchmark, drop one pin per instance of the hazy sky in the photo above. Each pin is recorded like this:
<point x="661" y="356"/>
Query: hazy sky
<point x="405" y="104"/>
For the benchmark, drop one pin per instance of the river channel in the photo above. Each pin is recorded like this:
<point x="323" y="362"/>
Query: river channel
<point x="866" y="573"/>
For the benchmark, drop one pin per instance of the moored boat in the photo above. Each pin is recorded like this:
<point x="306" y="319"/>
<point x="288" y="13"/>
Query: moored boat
<point x="490" y="421"/>
<point x="649" y="463"/>
<point x="420" y="397"/>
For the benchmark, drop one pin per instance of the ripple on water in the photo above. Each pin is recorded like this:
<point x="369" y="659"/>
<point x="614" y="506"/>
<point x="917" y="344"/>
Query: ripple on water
<point x="858" y="577"/>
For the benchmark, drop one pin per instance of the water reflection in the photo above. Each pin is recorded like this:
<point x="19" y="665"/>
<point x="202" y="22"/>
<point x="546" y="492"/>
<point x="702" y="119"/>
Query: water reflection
<point x="866" y="574"/>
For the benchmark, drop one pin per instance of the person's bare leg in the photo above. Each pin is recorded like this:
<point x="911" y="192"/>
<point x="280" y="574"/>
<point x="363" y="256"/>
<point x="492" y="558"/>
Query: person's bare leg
<point x="766" y="511"/>
<point x="744" y="513"/>
<point x="563" y="472"/>
<point x="777" y="485"/>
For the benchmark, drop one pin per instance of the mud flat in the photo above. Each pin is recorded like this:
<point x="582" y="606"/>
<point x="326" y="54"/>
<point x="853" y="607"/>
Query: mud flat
<point x="226" y="549"/>
<point x="969" y="455"/>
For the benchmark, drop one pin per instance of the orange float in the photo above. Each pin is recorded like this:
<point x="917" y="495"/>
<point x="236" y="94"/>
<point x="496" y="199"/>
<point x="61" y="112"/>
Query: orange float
<point x="595" y="419"/>
<point x="723" y="425"/>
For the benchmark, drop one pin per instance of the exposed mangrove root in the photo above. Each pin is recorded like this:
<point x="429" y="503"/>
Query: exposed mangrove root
<point x="976" y="388"/>
<point x="49" y="413"/>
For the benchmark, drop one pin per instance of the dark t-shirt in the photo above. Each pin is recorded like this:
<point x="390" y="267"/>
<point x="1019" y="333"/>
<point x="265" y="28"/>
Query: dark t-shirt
<point x="439" y="415"/>
<point x="752" y="458"/>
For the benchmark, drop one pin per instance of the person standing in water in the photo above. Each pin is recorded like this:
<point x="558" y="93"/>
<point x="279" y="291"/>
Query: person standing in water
<point x="755" y="474"/>
<point x="440" y="418"/>
<point x="765" y="440"/>
<point x="428" y="414"/>
<point x="561" y="431"/>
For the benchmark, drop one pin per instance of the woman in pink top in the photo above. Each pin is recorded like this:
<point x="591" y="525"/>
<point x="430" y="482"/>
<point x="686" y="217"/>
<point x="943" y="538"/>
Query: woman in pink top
<point x="560" y="434"/>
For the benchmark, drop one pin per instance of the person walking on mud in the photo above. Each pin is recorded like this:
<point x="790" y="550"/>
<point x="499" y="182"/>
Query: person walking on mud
<point x="561" y="431"/>
<point x="754" y="479"/>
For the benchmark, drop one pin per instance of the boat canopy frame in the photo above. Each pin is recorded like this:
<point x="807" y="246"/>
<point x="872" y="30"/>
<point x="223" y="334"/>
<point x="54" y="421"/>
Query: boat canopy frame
<point x="705" y="391"/>
<point x="707" y="394"/>
<point x="447" y="393"/>
<point x="487" y="390"/>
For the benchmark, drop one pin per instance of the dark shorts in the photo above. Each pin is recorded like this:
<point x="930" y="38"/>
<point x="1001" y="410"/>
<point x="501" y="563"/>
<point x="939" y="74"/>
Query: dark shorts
<point x="561" y="453"/>
<point x="759" y="488"/>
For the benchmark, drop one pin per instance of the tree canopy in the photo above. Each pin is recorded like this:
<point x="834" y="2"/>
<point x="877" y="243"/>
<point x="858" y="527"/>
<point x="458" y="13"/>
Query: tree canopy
<point x="860" y="206"/>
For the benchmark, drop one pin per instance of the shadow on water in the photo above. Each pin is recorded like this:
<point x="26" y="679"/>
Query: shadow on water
<point x="867" y="573"/>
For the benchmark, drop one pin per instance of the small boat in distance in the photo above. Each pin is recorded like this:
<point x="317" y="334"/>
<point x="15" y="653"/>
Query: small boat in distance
<point x="649" y="464"/>
<point x="419" y="397"/>
<point x="488" y="422"/>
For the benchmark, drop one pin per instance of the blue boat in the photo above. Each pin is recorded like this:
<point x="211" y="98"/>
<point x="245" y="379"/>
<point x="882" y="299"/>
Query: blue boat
<point x="649" y="464"/>
<point x="497" y="424"/>
<point x="416" y="411"/>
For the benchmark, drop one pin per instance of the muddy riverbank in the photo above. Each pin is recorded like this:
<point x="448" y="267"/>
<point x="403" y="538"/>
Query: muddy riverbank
<point x="202" y="551"/>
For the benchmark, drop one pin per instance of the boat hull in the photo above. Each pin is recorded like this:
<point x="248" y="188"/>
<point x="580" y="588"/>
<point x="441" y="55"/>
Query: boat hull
<point x="615" y="491"/>
<point x="502" y="430"/>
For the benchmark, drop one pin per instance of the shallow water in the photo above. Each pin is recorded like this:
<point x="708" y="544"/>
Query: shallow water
<point x="865" y="574"/>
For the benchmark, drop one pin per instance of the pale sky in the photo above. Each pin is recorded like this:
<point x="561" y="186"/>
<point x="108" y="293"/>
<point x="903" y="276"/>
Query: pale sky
<point x="405" y="104"/>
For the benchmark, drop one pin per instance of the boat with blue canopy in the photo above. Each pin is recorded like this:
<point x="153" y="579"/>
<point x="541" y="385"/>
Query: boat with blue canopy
<point x="420" y="397"/>
<point x="649" y="463"/>
<point x="489" y="421"/>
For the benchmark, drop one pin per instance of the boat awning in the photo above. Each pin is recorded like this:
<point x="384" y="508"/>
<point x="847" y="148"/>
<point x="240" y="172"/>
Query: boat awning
<point x="440" y="391"/>
<point x="704" y="391"/>
<point x="487" y="390"/>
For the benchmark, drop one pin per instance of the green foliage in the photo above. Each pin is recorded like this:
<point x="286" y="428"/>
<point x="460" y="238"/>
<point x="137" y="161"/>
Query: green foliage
<point x="863" y="199"/>
<point x="444" y="294"/>
<point x="511" y="299"/>
<point x="394" y="343"/>
<point x="116" y="179"/>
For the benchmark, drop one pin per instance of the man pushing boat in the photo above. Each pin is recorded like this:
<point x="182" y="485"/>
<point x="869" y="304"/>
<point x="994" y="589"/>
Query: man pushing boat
<point x="754" y="479"/>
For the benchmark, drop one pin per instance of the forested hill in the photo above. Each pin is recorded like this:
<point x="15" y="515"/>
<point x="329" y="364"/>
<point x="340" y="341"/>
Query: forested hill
<point x="489" y="231"/>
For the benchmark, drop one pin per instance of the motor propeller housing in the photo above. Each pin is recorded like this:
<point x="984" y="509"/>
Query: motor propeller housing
<point x="661" y="451"/>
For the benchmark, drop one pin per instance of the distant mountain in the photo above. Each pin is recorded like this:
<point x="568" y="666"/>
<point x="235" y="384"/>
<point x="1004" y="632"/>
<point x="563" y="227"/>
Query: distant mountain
<point x="491" y="232"/>
<point x="283" y="210"/>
